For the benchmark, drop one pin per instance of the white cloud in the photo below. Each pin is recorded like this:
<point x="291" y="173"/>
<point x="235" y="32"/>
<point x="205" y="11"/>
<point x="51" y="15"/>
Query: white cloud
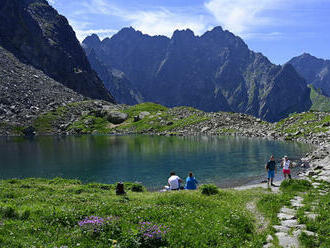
<point x="52" y="2"/>
<point x="241" y="16"/>
<point x="155" y="21"/>
<point x="164" y="22"/>
<point x="82" y="29"/>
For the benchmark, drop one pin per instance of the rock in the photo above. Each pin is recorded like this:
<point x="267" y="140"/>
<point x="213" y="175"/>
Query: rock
<point x="142" y="115"/>
<point x="287" y="241"/>
<point x="281" y="228"/>
<point x="311" y="216"/>
<point x="117" y="117"/>
<point x="169" y="123"/>
<point x="289" y="223"/>
<point x="283" y="216"/>
<point x="286" y="210"/>
<point x="204" y="129"/>
<point x="29" y="131"/>
<point x="136" y="118"/>
<point x="311" y="173"/>
<point x="269" y="238"/>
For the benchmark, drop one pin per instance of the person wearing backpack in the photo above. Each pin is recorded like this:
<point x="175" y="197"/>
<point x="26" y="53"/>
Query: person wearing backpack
<point x="271" y="170"/>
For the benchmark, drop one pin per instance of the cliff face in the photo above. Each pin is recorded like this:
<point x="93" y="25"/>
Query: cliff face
<point x="114" y="80"/>
<point x="316" y="71"/>
<point x="35" y="33"/>
<point x="212" y="72"/>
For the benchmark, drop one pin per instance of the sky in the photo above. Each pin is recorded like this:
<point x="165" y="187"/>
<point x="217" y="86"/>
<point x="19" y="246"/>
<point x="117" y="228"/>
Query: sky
<point x="280" y="29"/>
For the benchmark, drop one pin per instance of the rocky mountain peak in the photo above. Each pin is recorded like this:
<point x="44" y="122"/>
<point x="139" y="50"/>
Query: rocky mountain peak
<point x="92" y="41"/>
<point x="183" y="34"/>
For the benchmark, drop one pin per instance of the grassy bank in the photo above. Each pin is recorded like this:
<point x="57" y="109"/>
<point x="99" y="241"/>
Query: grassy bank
<point x="52" y="213"/>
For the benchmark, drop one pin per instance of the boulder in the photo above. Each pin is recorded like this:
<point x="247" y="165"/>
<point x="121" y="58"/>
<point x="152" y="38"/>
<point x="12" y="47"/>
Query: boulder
<point x="117" y="117"/>
<point x="29" y="131"/>
<point x="141" y="116"/>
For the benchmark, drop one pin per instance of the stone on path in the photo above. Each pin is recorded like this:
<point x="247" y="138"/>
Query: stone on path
<point x="286" y="210"/>
<point x="311" y="216"/>
<point x="268" y="245"/>
<point x="281" y="228"/>
<point x="308" y="233"/>
<point x="289" y="223"/>
<point x="283" y="216"/>
<point x="287" y="241"/>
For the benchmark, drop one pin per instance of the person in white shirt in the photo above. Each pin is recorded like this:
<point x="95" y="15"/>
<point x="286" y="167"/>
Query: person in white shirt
<point x="174" y="181"/>
<point x="286" y="164"/>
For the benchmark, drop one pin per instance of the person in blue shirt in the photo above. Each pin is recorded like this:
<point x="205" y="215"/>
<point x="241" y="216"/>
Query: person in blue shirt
<point x="191" y="182"/>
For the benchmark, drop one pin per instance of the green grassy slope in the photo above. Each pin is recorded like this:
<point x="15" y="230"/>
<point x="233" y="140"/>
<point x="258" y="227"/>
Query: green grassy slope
<point x="320" y="102"/>
<point x="46" y="213"/>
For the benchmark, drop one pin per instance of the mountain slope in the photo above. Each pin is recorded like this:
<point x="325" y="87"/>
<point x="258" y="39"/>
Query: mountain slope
<point x="316" y="71"/>
<point x="25" y="92"/>
<point x="320" y="101"/>
<point x="115" y="81"/>
<point x="35" y="33"/>
<point x="212" y="72"/>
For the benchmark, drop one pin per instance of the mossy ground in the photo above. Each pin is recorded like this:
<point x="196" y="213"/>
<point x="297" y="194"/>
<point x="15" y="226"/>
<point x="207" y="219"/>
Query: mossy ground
<point x="45" y="213"/>
<point x="302" y="124"/>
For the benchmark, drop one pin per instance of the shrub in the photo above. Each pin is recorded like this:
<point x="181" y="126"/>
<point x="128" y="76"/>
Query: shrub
<point x="295" y="185"/>
<point x="9" y="212"/>
<point x="135" y="187"/>
<point x="209" y="189"/>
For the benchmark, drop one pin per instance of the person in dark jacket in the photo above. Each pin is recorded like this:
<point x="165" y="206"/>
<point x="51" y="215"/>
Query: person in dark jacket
<point x="271" y="169"/>
<point x="191" y="182"/>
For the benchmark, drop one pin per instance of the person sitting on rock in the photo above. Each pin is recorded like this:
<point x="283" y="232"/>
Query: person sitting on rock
<point x="286" y="164"/>
<point x="271" y="169"/>
<point x="191" y="182"/>
<point x="174" y="181"/>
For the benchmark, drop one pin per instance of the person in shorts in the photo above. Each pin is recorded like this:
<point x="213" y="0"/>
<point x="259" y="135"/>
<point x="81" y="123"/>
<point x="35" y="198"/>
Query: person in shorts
<point x="271" y="169"/>
<point x="286" y="164"/>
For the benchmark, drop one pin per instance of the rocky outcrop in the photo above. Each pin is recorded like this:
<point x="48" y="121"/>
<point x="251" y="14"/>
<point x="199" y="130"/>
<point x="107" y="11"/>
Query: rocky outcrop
<point x="212" y="72"/>
<point x="25" y="92"/>
<point x="35" y="33"/>
<point x="316" y="71"/>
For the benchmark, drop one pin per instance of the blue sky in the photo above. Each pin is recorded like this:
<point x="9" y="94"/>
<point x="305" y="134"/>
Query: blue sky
<point x="280" y="29"/>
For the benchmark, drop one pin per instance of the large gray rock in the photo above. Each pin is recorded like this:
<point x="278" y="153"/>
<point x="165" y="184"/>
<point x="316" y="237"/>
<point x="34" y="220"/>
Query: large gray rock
<point x="117" y="117"/>
<point x="141" y="116"/>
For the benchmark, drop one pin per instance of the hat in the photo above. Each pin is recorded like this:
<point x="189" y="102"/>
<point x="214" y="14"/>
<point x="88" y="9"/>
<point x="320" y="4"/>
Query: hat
<point x="285" y="156"/>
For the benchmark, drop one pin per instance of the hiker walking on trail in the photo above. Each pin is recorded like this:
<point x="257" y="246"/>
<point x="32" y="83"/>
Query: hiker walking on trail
<point x="286" y="164"/>
<point x="271" y="169"/>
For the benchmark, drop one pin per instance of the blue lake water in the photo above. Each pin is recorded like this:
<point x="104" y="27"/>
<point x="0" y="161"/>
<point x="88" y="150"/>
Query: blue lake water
<point x="225" y="161"/>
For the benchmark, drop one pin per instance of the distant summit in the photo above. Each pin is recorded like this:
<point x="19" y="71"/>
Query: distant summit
<point x="36" y="34"/>
<point x="316" y="71"/>
<point x="213" y="72"/>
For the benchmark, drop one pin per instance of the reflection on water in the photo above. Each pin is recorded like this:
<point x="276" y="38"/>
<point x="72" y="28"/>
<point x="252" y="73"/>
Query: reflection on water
<point x="146" y="159"/>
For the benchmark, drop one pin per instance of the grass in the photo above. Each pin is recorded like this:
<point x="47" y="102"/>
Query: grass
<point x="44" y="123"/>
<point x="320" y="102"/>
<point x="45" y="213"/>
<point x="301" y="124"/>
<point x="320" y="205"/>
<point x="88" y="124"/>
<point x="160" y="119"/>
